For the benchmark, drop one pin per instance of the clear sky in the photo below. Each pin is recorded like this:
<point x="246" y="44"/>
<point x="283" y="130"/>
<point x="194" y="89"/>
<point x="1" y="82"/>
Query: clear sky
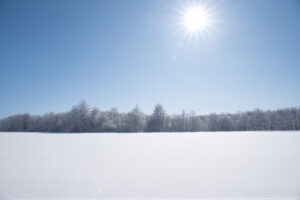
<point x="53" y="53"/>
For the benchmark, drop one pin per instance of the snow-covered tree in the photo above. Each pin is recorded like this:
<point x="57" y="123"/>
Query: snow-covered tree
<point x="157" y="119"/>
<point x="136" y="120"/>
<point x="83" y="119"/>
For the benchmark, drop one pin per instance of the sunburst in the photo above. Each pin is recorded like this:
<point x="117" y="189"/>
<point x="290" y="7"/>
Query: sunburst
<point x="197" y="19"/>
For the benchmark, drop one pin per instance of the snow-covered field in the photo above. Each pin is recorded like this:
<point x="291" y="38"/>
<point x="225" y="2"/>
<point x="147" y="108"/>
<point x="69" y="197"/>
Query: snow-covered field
<point x="212" y="166"/>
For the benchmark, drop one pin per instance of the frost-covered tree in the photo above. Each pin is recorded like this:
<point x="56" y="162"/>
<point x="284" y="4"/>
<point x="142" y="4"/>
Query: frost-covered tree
<point x="136" y="120"/>
<point x="94" y="119"/>
<point x="157" y="119"/>
<point x="83" y="119"/>
<point x="79" y="117"/>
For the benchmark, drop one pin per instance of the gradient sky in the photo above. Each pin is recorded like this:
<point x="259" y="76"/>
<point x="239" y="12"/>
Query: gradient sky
<point x="53" y="53"/>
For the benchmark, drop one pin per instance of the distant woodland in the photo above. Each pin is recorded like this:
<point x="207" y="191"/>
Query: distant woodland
<point x="82" y="118"/>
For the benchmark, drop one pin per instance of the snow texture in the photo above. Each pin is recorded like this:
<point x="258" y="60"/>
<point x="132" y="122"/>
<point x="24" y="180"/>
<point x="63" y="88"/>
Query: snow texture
<point x="208" y="166"/>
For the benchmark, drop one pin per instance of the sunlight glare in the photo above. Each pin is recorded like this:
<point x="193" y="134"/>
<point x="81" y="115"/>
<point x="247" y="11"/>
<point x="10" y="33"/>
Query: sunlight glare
<point x="195" y="19"/>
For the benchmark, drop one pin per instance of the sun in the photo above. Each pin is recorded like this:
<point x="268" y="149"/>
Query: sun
<point x="196" y="19"/>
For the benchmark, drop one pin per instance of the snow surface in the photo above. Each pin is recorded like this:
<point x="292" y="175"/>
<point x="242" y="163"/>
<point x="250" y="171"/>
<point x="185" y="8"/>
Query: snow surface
<point x="209" y="166"/>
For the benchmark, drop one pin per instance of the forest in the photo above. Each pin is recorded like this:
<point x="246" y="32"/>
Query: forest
<point x="82" y="118"/>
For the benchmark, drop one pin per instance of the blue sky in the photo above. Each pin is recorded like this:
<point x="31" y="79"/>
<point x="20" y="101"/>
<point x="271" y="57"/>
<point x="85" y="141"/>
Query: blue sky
<point x="54" y="53"/>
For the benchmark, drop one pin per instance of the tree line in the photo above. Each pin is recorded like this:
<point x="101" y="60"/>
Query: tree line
<point x="82" y="118"/>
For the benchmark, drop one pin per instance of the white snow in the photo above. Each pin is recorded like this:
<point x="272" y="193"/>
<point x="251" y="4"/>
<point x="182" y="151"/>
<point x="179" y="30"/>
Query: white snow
<point x="208" y="166"/>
